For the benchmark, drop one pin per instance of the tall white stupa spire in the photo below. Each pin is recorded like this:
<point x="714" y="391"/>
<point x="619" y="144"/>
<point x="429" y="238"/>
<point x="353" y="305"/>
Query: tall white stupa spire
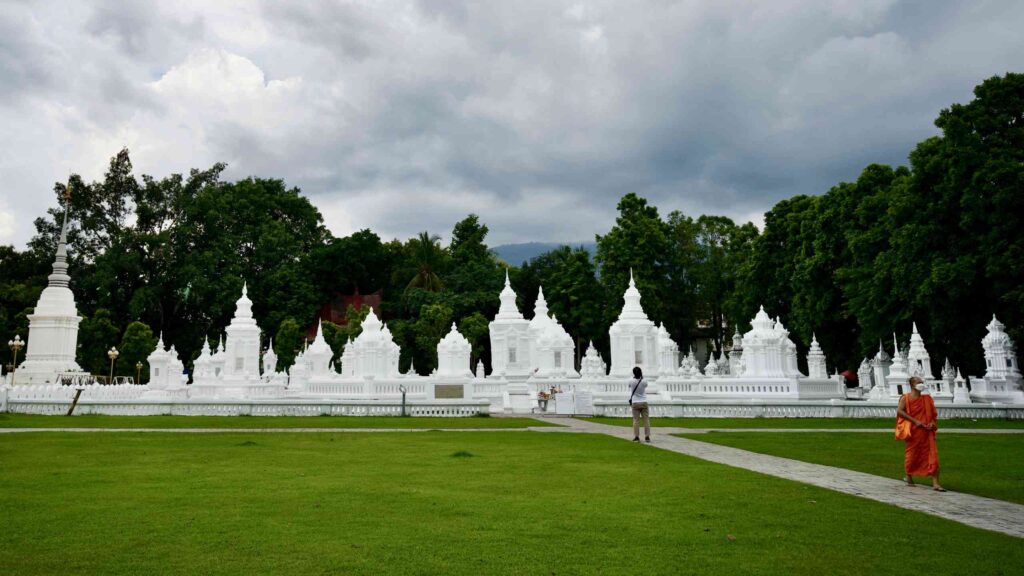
<point x="53" y="325"/>
<point x="633" y="337"/>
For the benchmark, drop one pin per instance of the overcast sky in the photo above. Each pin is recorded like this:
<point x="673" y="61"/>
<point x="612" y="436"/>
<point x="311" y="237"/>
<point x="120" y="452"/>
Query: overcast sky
<point x="537" y="115"/>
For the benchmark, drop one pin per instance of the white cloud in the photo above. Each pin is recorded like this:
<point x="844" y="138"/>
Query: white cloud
<point x="538" y="115"/>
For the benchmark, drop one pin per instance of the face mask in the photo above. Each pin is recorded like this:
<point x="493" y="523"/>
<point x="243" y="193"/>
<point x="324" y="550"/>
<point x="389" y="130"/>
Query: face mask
<point x="921" y="387"/>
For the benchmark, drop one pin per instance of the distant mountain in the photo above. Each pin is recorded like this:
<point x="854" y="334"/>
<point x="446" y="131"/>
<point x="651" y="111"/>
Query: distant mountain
<point x="516" y="254"/>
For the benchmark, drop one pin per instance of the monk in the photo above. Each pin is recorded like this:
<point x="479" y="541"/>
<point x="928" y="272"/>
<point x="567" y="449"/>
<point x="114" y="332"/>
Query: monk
<point x="921" y="457"/>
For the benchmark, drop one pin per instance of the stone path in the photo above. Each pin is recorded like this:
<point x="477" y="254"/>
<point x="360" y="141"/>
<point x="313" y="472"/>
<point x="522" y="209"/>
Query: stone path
<point x="976" y="511"/>
<point x="672" y="430"/>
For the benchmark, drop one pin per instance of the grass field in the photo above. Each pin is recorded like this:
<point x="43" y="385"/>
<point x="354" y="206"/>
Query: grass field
<point x="100" y="421"/>
<point x="474" y="503"/>
<point x="984" y="464"/>
<point x="835" y="423"/>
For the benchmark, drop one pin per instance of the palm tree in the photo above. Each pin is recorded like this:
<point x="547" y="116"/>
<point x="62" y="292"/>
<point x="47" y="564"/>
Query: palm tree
<point x="426" y="257"/>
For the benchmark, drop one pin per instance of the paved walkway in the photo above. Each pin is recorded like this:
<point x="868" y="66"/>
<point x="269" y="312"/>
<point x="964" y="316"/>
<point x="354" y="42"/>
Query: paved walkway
<point x="976" y="511"/>
<point x="672" y="430"/>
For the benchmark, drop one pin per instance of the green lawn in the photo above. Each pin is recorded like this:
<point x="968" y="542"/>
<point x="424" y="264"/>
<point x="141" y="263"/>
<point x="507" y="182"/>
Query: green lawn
<point x="474" y="503"/>
<point x="837" y="423"/>
<point x="99" y="421"/>
<point x="985" y="464"/>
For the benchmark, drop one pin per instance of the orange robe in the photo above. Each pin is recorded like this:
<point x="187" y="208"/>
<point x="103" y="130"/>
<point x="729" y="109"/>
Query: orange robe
<point x="921" y="457"/>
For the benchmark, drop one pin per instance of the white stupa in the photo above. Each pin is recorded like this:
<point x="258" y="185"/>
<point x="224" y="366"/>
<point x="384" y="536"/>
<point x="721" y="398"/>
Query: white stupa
<point x="1002" y="381"/>
<point x="736" y="353"/>
<point x="668" y="353"/>
<point x="453" y="354"/>
<point x="318" y="355"/>
<point x="510" y="339"/>
<point x="242" y="348"/>
<point x="918" y="361"/>
<point x="592" y="365"/>
<point x="53" y="325"/>
<point x="767" y="350"/>
<point x="552" y="350"/>
<point x="269" y="360"/>
<point x="816" y="360"/>
<point x="373" y="353"/>
<point x="880" y="365"/>
<point x="634" y="338"/>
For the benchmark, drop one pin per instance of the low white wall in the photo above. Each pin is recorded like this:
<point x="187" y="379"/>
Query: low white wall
<point x="802" y="409"/>
<point x="448" y="408"/>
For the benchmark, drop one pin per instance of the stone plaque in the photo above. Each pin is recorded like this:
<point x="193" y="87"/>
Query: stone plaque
<point x="445" y="391"/>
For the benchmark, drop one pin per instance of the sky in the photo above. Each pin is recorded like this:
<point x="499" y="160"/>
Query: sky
<point x="537" y="115"/>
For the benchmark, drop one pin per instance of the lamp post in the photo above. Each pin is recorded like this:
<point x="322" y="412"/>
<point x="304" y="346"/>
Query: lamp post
<point x="15" y="345"/>
<point x="138" y="372"/>
<point x="112" y="354"/>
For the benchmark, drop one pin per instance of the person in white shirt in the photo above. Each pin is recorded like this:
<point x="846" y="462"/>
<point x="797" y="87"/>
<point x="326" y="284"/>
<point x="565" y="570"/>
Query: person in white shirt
<point x="638" y="401"/>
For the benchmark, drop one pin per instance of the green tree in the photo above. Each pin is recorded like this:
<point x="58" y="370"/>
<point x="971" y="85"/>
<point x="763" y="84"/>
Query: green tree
<point x="433" y="323"/>
<point x="426" y="257"/>
<point x="137" y="343"/>
<point x="96" y="335"/>
<point x="475" y="328"/>
<point x="287" y="343"/>
<point x="637" y="242"/>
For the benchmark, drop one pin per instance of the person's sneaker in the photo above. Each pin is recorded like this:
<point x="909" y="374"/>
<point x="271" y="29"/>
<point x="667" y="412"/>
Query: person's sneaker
<point x="637" y="439"/>
<point x="647" y="439"/>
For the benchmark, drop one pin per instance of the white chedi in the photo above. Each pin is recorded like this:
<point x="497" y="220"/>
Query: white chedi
<point x="453" y="354"/>
<point x="633" y="336"/>
<point x="816" y="367"/>
<point x="510" y="337"/>
<point x="373" y="353"/>
<point x="269" y="360"/>
<point x="864" y="374"/>
<point x="1002" y="381"/>
<point x="53" y="326"/>
<point x="918" y="361"/>
<point x="880" y="365"/>
<point x="551" y="348"/>
<point x="961" y="394"/>
<point x="711" y="368"/>
<point x="668" y="353"/>
<point x="165" y="368"/>
<point x="767" y="350"/>
<point x="898" y="370"/>
<point x="318" y="355"/>
<point x="202" y="367"/>
<point x="689" y="367"/>
<point x="736" y="354"/>
<point x="1000" y="353"/>
<point x="592" y="365"/>
<point x="242" y="346"/>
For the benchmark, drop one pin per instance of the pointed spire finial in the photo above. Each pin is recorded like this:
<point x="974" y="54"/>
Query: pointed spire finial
<point x="507" y="283"/>
<point x="915" y="327"/>
<point x="245" y="288"/>
<point x="631" y="282"/>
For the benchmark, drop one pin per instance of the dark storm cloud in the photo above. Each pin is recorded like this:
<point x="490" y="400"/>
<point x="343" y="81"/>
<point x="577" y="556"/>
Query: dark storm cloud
<point x="537" y="115"/>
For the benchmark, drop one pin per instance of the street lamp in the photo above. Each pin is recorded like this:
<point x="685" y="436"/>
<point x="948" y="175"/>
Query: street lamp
<point x="112" y="354"/>
<point x="15" y="345"/>
<point x="138" y="372"/>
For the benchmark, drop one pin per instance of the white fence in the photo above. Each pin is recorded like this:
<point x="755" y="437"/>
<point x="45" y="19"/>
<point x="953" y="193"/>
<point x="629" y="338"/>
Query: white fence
<point x="461" y="408"/>
<point x="801" y="409"/>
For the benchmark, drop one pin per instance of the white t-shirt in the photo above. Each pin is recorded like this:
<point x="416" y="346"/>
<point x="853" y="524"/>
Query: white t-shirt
<point x="641" y="390"/>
